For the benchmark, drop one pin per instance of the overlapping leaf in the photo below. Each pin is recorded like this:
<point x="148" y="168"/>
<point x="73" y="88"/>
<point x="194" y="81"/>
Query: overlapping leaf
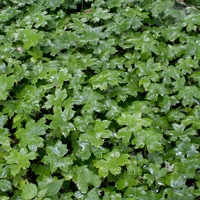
<point x="56" y="157"/>
<point x="134" y="124"/>
<point x="7" y="83"/>
<point x="95" y="134"/>
<point x="112" y="162"/>
<point x="30" y="136"/>
<point x="18" y="160"/>
<point x="151" y="138"/>
<point x="104" y="79"/>
<point x="85" y="178"/>
<point x="60" y="119"/>
<point x="99" y="99"/>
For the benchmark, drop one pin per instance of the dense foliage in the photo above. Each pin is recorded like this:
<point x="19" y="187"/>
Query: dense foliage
<point x="99" y="99"/>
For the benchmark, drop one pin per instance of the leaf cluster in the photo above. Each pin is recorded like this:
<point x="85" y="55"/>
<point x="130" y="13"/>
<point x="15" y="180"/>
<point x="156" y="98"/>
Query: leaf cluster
<point x="99" y="99"/>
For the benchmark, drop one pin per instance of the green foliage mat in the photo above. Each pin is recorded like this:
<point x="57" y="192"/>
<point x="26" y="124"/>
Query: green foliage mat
<point x="99" y="99"/>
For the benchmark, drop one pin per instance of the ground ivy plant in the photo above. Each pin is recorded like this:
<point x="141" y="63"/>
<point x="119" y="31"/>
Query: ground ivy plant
<point x="99" y="99"/>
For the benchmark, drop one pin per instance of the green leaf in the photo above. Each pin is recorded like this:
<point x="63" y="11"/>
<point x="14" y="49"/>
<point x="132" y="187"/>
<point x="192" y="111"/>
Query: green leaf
<point x="85" y="178"/>
<point x="105" y="49"/>
<point x="37" y="18"/>
<point x="92" y="36"/>
<point x="18" y="160"/>
<point x="155" y="90"/>
<point x="55" y="100"/>
<point x="93" y="194"/>
<point x="178" y="84"/>
<point x="99" y="14"/>
<point x="175" y="180"/>
<point x="151" y="138"/>
<point x="175" y="115"/>
<point x="5" y="185"/>
<point x="125" y="134"/>
<point x="112" y="195"/>
<point x="53" y="75"/>
<point x="160" y="6"/>
<point x="30" y="136"/>
<point x="113" y="109"/>
<point x="54" y="187"/>
<point x="53" y="4"/>
<point x="22" y="2"/>
<point x="99" y="99"/>
<point x="59" y="150"/>
<point x="144" y="42"/>
<point x="39" y="169"/>
<point x="7" y="83"/>
<point x="148" y="72"/>
<point x="112" y="162"/>
<point x="186" y="149"/>
<point x="105" y="78"/>
<point x="191" y="22"/>
<point x="60" y="119"/>
<point x="56" y="157"/>
<point x="121" y="93"/>
<point x="195" y="76"/>
<point x="95" y="134"/>
<point x="149" y="178"/>
<point x="187" y="167"/>
<point x="134" y="123"/>
<point x="5" y="140"/>
<point x="180" y="132"/>
<point x="42" y="193"/>
<point x="3" y="171"/>
<point x="127" y="180"/>
<point x="82" y="122"/>
<point x="36" y="53"/>
<point x="189" y="95"/>
<point x="157" y="172"/>
<point x="181" y="194"/>
<point x="4" y="198"/>
<point x="63" y="41"/>
<point x="187" y="65"/>
<point x="90" y="99"/>
<point x="192" y="120"/>
<point x="136" y="191"/>
<point x="99" y="151"/>
<point x="28" y="103"/>
<point x="142" y="107"/>
<point x="167" y="103"/>
<point x="172" y="33"/>
<point x="84" y="150"/>
<point x="113" y="3"/>
<point x="8" y="13"/>
<point x="169" y="73"/>
<point x="30" y="37"/>
<point x="29" y="191"/>
<point x="3" y="120"/>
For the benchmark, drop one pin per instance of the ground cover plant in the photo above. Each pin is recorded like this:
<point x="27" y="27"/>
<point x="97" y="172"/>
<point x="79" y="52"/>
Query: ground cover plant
<point x="99" y="99"/>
